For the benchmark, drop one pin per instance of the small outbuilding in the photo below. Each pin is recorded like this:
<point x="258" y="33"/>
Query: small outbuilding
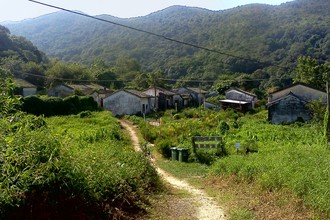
<point x="161" y="98"/>
<point x="238" y="99"/>
<point x="24" y="88"/>
<point x="65" y="90"/>
<point x="192" y="96"/>
<point x="288" y="105"/>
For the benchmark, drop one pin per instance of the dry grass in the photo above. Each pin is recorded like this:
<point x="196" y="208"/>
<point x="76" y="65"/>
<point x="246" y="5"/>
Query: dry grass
<point x="247" y="198"/>
<point x="172" y="204"/>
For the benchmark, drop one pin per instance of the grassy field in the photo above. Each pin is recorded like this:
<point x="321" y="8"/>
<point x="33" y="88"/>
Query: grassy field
<point x="85" y="160"/>
<point x="289" y="158"/>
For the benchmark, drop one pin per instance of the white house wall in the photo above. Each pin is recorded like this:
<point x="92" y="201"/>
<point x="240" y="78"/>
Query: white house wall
<point x="123" y="103"/>
<point x="29" y="91"/>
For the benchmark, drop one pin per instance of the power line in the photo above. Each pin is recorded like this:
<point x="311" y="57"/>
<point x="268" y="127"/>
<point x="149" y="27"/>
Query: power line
<point x="161" y="36"/>
<point x="68" y="79"/>
<point x="164" y="79"/>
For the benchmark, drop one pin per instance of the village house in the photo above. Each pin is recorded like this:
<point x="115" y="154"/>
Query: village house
<point x="100" y="95"/>
<point x="288" y="104"/>
<point x="192" y="96"/>
<point x="239" y="99"/>
<point x="24" y="88"/>
<point x="127" y="102"/>
<point x="164" y="98"/>
<point x="65" y="90"/>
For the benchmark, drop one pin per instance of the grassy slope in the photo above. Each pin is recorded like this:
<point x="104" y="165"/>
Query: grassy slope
<point x="291" y="162"/>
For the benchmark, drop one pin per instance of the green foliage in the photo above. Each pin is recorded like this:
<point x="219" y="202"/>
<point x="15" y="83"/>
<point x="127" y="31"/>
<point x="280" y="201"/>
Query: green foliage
<point x="326" y="127"/>
<point x="309" y="71"/>
<point x="8" y="102"/>
<point x="223" y="127"/>
<point x="67" y="71"/>
<point x="317" y="109"/>
<point x="290" y="157"/>
<point x="52" y="106"/>
<point x="29" y="158"/>
<point x="271" y="34"/>
<point x="71" y="163"/>
<point x="13" y="46"/>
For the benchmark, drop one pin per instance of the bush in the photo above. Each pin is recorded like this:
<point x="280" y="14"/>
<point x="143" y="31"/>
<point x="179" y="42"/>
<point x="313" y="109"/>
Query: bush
<point x="52" y="106"/>
<point x="164" y="147"/>
<point x="30" y="158"/>
<point x="66" y="166"/>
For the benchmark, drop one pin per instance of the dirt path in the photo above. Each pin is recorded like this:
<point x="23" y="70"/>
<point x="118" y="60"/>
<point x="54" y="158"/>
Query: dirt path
<point x="207" y="209"/>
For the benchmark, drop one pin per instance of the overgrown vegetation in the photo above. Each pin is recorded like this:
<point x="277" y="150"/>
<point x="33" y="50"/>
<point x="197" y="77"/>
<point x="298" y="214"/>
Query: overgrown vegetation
<point x="78" y="167"/>
<point x="54" y="106"/>
<point x="274" y="157"/>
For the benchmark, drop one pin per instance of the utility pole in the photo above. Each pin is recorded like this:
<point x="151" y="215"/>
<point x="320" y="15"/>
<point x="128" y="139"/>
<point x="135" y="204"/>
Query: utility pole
<point x="155" y="99"/>
<point x="327" y="128"/>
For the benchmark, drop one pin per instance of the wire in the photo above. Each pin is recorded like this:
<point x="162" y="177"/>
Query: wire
<point x="66" y="79"/>
<point x="164" y="79"/>
<point x="161" y="36"/>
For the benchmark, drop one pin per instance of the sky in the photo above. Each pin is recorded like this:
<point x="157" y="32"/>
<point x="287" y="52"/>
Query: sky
<point x="17" y="10"/>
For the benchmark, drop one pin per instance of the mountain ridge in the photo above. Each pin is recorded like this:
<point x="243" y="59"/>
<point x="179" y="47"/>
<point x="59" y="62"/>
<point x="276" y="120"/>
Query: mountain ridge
<point x="269" y="34"/>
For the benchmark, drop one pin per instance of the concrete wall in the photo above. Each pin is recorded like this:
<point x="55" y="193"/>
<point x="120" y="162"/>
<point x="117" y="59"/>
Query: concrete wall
<point x="60" y="91"/>
<point x="124" y="103"/>
<point x="239" y="96"/>
<point x="288" y="110"/>
<point x="29" y="91"/>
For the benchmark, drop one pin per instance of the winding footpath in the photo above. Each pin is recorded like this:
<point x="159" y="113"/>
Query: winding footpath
<point x="207" y="209"/>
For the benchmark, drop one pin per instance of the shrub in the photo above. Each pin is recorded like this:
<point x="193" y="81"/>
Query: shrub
<point x="223" y="127"/>
<point x="33" y="105"/>
<point x="52" y="106"/>
<point x="164" y="147"/>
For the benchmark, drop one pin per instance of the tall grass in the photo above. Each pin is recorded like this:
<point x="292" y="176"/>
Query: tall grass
<point x="291" y="157"/>
<point x="73" y="164"/>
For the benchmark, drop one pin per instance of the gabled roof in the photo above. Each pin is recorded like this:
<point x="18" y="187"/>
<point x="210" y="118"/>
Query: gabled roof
<point x="137" y="93"/>
<point x="134" y="92"/>
<point x="295" y="84"/>
<point x="197" y="90"/>
<point x="23" y="83"/>
<point x="242" y="91"/>
<point x="85" y="86"/>
<point x="285" y="97"/>
<point x="163" y="90"/>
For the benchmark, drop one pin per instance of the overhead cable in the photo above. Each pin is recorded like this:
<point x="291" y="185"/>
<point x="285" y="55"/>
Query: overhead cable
<point x="160" y="36"/>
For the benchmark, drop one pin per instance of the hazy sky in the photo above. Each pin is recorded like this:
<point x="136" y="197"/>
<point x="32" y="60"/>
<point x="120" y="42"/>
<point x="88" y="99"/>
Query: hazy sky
<point x="15" y="10"/>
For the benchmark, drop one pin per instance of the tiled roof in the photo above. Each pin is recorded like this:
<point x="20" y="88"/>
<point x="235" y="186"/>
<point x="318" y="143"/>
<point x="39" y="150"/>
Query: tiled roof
<point x="295" y="84"/>
<point x="137" y="93"/>
<point x="242" y="91"/>
<point x="23" y="83"/>
<point x="197" y="90"/>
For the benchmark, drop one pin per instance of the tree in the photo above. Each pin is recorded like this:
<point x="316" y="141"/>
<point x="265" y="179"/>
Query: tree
<point x="34" y="73"/>
<point x="60" y="71"/>
<point x="8" y="101"/>
<point x="309" y="71"/>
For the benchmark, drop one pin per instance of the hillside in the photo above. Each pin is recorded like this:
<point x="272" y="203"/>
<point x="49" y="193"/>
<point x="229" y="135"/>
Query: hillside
<point x="272" y="35"/>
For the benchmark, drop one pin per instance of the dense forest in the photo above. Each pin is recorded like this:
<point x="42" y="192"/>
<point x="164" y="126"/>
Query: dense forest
<point x="250" y="42"/>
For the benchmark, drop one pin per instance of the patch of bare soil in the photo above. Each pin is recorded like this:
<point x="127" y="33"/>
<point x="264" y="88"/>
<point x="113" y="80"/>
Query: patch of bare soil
<point x="203" y="206"/>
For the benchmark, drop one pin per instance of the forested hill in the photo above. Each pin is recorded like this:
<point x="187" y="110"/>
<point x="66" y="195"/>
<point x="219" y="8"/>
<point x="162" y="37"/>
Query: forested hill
<point x="273" y="35"/>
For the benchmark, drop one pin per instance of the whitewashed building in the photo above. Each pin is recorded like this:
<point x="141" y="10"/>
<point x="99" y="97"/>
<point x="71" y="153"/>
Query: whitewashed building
<point x="127" y="102"/>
